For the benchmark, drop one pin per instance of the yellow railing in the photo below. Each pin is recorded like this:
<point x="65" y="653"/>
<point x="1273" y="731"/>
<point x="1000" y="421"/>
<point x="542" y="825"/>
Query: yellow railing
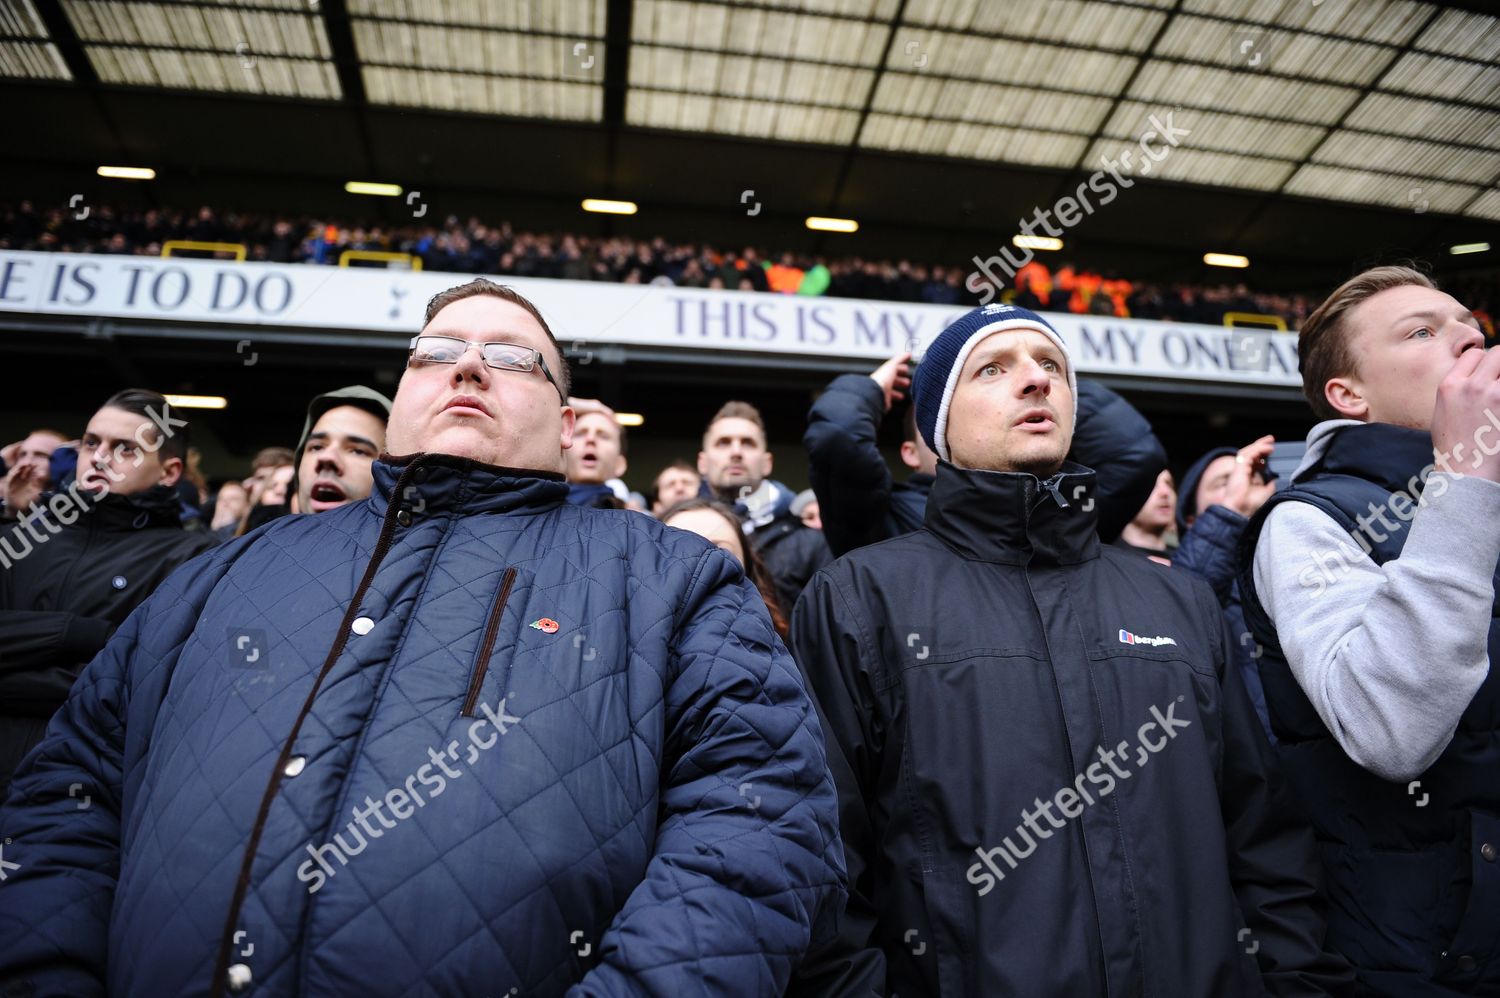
<point x="1255" y="320"/>
<point x="412" y="262"/>
<point x="238" y="249"/>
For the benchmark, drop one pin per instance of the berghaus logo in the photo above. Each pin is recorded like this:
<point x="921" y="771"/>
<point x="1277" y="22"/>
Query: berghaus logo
<point x="1126" y="638"/>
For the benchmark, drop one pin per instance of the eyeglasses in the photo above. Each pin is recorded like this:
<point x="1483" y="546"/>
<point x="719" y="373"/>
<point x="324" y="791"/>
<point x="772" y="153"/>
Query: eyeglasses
<point x="500" y="356"/>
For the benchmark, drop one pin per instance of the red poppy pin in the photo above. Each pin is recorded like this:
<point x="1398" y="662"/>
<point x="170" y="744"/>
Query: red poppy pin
<point x="546" y="625"/>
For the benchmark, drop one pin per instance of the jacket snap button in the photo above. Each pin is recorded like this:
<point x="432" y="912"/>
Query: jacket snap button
<point x="1466" y="963"/>
<point x="404" y="517"/>
<point x="1488" y="852"/>
<point x="295" y="765"/>
<point x="239" y="977"/>
<point x="363" y="625"/>
<point x="118" y="582"/>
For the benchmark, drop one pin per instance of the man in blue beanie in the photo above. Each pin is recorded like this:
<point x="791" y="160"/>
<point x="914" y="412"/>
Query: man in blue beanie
<point x="998" y="679"/>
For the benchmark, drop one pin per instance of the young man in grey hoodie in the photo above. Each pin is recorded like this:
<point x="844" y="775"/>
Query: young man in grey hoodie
<point x="1370" y="585"/>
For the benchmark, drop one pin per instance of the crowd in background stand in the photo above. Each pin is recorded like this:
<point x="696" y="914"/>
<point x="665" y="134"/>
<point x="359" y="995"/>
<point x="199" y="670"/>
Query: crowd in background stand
<point x="477" y="247"/>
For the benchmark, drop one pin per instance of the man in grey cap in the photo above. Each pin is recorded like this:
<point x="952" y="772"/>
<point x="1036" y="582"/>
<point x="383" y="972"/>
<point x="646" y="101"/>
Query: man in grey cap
<point x="344" y="433"/>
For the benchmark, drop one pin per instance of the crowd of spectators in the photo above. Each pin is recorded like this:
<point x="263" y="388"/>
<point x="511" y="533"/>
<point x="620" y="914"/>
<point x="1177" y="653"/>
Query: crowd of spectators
<point x="477" y="247"/>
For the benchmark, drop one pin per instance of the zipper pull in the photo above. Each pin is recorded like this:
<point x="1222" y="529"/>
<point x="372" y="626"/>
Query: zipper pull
<point x="1051" y="485"/>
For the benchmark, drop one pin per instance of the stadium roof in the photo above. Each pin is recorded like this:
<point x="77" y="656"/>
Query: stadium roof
<point x="952" y="116"/>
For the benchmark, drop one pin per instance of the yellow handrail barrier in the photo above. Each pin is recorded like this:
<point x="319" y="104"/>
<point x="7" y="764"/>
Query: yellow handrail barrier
<point x="412" y="262"/>
<point x="238" y="249"/>
<point x="1255" y="320"/>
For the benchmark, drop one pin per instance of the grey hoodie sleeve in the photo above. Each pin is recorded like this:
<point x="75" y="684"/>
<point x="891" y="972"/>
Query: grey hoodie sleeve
<point x="1389" y="656"/>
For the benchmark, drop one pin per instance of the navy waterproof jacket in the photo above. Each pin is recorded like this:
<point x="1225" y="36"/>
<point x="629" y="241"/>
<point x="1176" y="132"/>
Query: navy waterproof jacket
<point x="999" y="665"/>
<point x="457" y="739"/>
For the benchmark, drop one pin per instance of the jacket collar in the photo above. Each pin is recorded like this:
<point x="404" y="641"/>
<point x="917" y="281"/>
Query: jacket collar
<point x="448" y="484"/>
<point x="1383" y="453"/>
<point x="1015" y="518"/>
<point x="157" y="506"/>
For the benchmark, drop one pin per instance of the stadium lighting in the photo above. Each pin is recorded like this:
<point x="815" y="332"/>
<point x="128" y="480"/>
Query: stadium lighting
<point x="1463" y="248"/>
<point x="629" y="418"/>
<point x="1225" y="260"/>
<point x="197" y="401"/>
<point x="1037" y="242"/>
<point x="608" y="207"/>
<point x="128" y="172"/>
<point x="370" y="187"/>
<point x="819" y="224"/>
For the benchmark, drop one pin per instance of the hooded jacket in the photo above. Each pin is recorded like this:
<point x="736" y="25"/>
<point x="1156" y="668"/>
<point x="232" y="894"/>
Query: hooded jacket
<point x="1405" y="798"/>
<point x="594" y="766"/>
<point x="68" y="578"/>
<point x="999" y="665"/>
<point x="357" y="396"/>
<point x="1210" y="550"/>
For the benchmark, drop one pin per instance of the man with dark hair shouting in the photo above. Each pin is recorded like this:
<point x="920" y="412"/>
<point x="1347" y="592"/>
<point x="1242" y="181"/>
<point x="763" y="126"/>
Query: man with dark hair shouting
<point x="83" y="558"/>
<point x="458" y="738"/>
<point x="1051" y="783"/>
<point x="1370" y="587"/>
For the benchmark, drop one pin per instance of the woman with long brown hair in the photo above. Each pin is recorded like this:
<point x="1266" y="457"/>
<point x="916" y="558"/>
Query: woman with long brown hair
<point x="720" y="524"/>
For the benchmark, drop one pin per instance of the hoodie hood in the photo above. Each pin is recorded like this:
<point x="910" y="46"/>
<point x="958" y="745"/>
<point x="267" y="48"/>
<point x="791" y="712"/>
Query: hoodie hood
<point x="1317" y="443"/>
<point x="358" y="396"/>
<point x="770" y="501"/>
<point x="1187" y="489"/>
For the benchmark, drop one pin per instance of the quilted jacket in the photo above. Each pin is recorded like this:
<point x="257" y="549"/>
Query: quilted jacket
<point x="459" y="739"/>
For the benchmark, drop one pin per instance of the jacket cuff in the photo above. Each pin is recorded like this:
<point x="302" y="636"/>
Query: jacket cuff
<point x="1228" y="520"/>
<point x="85" y="636"/>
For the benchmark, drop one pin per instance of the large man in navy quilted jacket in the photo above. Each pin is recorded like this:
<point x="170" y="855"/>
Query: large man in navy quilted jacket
<point x="459" y="739"/>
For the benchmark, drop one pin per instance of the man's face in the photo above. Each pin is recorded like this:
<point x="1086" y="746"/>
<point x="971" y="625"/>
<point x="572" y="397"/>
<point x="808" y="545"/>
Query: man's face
<point x="36" y="452"/>
<point x="595" y="455"/>
<point x="1404" y="341"/>
<point x="1214" y="484"/>
<point x="511" y="419"/>
<point x="1160" y="511"/>
<point x="1012" y="409"/>
<point x="673" y="486"/>
<point x="812" y="516"/>
<point x="120" y="453"/>
<point x="335" y="466"/>
<point x="734" y="456"/>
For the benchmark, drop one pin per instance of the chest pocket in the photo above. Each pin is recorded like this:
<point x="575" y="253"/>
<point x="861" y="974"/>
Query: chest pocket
<point x="487" y="643"/>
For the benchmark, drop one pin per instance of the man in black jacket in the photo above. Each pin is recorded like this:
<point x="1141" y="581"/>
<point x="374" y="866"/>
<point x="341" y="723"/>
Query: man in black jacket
<point x="860" y="504"/>
<point x="73" y="569"/>
<point x="736" y="467"/>
<point x="999" y="679"/>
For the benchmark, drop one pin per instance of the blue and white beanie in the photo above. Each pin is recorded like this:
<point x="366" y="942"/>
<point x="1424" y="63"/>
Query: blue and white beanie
<point x="937" y="375"/>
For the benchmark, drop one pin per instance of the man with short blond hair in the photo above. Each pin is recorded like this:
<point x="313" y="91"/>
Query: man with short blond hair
<point x="459" y="738"/>
<point x="1369" y="586"/>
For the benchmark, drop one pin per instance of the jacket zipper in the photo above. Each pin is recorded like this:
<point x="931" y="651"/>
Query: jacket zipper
<point x="242" y="883"/>
<point x="492" y="628"/>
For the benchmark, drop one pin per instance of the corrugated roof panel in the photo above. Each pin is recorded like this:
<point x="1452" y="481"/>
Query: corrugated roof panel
<point x="32" y="60"/>
<point x="1409" y="156"/>
<point x="1408" y="193"/>
<point x="1248" y="92"/>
